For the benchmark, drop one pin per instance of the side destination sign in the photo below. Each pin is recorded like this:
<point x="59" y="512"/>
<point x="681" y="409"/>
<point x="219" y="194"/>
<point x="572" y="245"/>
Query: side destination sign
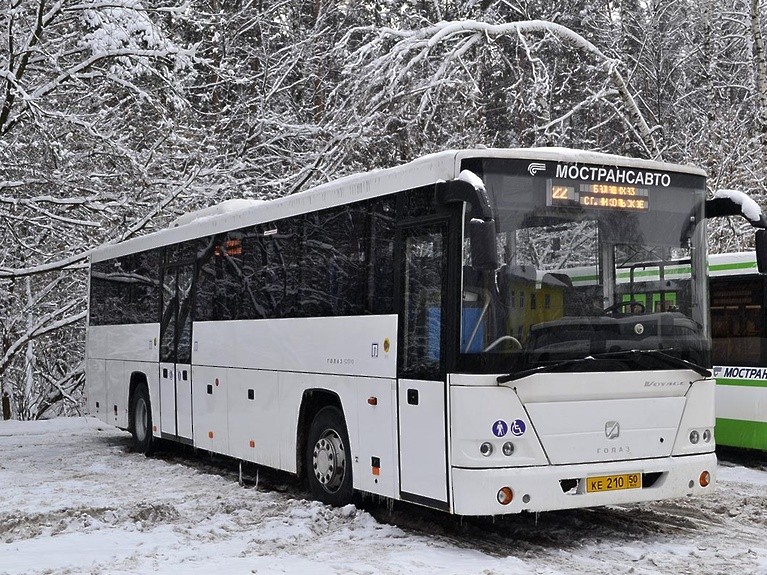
<point x="612" y="175"/>
<point x="727" y="372"/>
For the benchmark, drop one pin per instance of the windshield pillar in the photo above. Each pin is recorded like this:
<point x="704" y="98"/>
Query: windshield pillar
<point x="607" y="273"/>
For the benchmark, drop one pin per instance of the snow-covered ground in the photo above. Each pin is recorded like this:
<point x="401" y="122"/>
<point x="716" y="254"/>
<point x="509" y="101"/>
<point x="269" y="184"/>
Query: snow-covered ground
<point x="75" y="499"/>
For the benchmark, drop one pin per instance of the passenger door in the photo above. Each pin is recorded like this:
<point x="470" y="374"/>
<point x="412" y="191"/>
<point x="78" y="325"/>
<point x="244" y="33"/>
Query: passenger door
<point x="421" y="386"/>
<point x="176" y="352"/>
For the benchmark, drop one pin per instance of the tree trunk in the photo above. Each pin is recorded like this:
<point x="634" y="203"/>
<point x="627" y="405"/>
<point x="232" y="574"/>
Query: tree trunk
<point x="760" y="70"/>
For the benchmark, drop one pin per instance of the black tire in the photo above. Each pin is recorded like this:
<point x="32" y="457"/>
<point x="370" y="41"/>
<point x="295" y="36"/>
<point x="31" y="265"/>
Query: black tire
<point x="329" y="458"/>
<point x="141" y="421"/>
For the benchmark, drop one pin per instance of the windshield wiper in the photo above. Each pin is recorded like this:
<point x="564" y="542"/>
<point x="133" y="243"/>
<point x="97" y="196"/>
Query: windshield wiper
<point x="656" y="354"/>
<point x="552" y="367"/>
<point x="637" y="355"/>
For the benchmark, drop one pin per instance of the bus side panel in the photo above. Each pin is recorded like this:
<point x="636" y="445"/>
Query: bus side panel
<point x="114" y="353"/>
<point x="741" y="412"/>
<point x="96" y="384"/>
<point x="376" y="467"/>
<point x="117" y="393"/>
<point x="210" y="405"/>
<point x="138" y="342"/>
<point x="364" y="345"/>
<point x="152" y="372"/>
<point x="254" y="415"/>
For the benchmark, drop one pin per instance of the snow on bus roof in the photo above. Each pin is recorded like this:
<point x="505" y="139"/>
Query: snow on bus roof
<point x="225" y="207"/>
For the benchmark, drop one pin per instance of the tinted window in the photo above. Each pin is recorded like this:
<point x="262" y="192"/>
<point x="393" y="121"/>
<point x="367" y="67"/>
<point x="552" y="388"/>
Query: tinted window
<point x="737" y="326"/>
<point x="126" y="290"/>
<point x="330" y="263"/>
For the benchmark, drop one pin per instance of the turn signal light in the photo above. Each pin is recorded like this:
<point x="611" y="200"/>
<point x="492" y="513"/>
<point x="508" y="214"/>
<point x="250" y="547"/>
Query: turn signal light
<point x="704" y="479"/>
<point x="505" y="495"/>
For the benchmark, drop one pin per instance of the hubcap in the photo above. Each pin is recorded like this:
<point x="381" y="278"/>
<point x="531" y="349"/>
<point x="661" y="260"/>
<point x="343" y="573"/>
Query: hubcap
<point x="329" y="461"/>
<point x="140" y="420"/>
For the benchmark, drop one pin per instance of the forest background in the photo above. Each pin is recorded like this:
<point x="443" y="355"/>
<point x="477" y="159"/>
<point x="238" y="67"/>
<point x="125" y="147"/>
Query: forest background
<point x="117" y="116"/>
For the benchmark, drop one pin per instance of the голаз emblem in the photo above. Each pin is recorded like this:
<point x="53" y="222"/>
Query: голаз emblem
<point x="612" y="429"/>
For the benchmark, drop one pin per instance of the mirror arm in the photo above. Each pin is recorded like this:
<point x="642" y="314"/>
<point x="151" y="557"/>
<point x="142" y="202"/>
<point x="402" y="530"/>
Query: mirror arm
<point x="462" y="191"/>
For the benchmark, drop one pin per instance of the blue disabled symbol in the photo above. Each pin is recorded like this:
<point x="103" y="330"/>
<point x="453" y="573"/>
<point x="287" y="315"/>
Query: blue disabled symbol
<point x="500" y="428"/>
<point x="518" y="427"/>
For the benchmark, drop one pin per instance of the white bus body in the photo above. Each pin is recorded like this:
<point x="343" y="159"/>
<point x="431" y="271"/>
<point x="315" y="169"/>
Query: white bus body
<point x="475" y="387"/>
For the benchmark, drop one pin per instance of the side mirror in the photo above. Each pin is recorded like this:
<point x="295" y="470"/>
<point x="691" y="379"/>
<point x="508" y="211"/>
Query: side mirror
<point x="463" y="191"/>
<point x="761" y="251"/>
<point x="484" y="252"/>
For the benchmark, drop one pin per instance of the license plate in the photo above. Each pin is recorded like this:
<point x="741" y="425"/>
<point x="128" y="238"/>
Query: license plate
<point x="613" y="482"/>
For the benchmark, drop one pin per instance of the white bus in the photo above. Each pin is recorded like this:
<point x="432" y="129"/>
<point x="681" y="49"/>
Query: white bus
<point x="411" y="333"/>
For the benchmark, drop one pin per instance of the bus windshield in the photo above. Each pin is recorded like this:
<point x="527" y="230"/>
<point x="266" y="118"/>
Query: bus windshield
<point x="594" y="262"/>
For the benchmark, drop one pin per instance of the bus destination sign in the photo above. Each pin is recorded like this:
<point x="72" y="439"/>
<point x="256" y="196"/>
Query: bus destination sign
<point x="601" y="196"/>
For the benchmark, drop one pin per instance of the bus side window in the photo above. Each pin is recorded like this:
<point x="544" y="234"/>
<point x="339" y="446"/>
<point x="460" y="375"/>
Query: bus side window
<point x="737" y="329"/>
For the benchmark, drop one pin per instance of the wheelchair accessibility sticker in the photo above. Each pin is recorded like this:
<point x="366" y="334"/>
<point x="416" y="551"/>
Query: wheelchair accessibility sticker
<point x="518" y="427"/>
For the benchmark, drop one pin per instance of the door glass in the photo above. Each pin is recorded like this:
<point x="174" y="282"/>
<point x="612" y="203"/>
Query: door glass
<point x="424" y="264"/>
<point x="168" y="324"/>
<point x="184" y="323"/>
<point x="176" y="326"/>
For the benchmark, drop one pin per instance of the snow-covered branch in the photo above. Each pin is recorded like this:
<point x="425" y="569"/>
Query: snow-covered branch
<point x="394" y="57"/>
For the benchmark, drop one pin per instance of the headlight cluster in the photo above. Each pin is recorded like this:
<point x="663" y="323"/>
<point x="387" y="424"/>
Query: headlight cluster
<point x="486" y="448"/>
<point x="696" y="436"/>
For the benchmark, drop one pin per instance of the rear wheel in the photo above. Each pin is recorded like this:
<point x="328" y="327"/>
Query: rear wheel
<point x="328" y="458"/>
<point x="141" y="425"/>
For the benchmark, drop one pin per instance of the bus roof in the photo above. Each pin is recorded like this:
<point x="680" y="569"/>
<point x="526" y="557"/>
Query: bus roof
<point x="420" y="172"/>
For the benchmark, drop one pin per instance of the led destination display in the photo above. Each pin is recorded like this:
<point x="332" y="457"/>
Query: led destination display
<point x="604" y="196"/>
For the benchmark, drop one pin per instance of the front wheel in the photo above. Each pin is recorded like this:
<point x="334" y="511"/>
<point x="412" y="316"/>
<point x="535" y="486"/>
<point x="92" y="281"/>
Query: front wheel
<point x="329" y="459"/>
<point x="141" y="424"/>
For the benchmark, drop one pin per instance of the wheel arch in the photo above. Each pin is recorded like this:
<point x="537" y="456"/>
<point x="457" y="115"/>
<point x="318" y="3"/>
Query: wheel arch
<point x="312" y="401"/>
<point x="137" y="378"/>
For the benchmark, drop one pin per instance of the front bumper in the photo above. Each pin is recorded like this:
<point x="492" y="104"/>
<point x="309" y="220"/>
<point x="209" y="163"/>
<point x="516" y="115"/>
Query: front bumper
<point x="551" y="487"/>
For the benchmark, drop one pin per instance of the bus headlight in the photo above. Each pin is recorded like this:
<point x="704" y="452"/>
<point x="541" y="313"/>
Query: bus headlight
<point x="694" y="436"/>
<point x="486" y="449"/>
<point x="707" y="435"/>
<point x="508" y="448"/>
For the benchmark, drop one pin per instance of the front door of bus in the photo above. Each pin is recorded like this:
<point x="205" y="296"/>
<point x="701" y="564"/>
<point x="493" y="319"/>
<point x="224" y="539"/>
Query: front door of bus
<point x="176" y="352"/>
<point x="421" y="385"/>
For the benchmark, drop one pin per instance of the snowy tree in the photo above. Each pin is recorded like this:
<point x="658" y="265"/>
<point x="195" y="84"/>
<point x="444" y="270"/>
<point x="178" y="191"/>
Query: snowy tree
<point x="88" y="104"/>
<point x="117" y="117"/>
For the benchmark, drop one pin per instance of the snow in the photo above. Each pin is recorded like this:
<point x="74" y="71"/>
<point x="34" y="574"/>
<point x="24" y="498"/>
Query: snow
<point x="226" y="207"/>
<point x="472" y="178"/>
<point x="748" y="207"/>
<point x="74" y="499"/>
